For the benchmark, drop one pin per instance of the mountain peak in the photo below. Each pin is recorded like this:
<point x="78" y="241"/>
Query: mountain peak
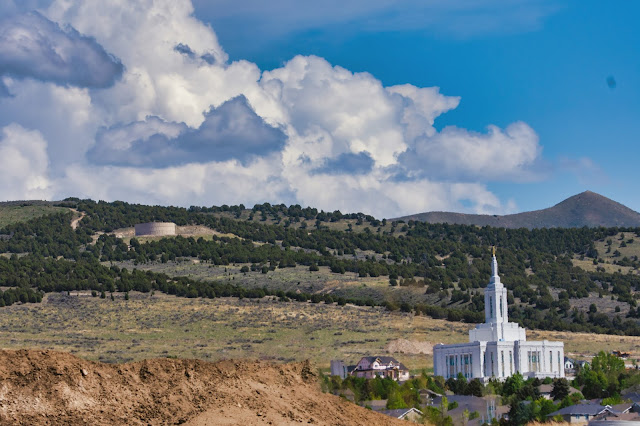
<point x="584" y="209"/>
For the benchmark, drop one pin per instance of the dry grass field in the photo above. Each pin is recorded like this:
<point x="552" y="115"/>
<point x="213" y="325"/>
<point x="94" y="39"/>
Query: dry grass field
<point x="149" y="326"/>
<point x="627" y="244"/>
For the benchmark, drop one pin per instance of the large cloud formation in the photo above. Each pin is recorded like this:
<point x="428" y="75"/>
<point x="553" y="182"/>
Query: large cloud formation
<point x="31" y="46"/>
<point x="231" y="131"/>
<point x="177" y="123"/>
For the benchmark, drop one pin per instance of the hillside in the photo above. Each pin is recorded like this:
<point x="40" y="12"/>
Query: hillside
<point x="585" y="209"/>
<point x="22" y="211"/>
<point x="554" y="275"/>
<point x="48" y="387"/>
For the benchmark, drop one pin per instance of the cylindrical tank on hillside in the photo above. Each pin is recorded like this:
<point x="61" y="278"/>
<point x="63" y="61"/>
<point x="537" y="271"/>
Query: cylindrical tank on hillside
<point x="156" y="228"/>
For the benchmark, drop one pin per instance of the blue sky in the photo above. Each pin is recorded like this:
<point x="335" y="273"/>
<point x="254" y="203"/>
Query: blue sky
<point x="386" y="107"/>
<point x="549" y="71"/>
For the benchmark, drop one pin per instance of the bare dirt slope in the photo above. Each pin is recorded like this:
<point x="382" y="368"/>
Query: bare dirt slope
<point x="49" y="388"/>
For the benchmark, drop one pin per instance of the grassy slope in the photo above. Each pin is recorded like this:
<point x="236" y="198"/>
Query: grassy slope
<point x="160" y="326"/>
<point x="10" y="214"/>
<point x="632" y="249"/>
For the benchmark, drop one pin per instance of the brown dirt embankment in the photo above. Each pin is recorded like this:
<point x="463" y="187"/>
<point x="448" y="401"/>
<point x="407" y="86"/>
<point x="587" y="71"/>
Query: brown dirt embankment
<point x="50" y="388"/>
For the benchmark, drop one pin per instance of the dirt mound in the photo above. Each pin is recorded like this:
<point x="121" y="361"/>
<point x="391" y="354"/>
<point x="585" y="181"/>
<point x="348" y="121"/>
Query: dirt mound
<point x="404" y="346"/>
<point x="50" y="388"/>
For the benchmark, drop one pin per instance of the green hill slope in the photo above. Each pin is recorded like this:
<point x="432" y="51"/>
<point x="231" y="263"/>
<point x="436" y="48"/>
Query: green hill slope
<point x="23" y="211"/>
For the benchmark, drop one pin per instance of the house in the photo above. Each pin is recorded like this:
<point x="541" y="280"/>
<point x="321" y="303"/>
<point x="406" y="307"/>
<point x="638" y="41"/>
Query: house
<point x="498" y="348"/>
<point x="410" y="414"/>
<point x="371" y="367"/>
<point x="347" y="394"/>
<point x="623" y="408"/>
<point x="426" y="395"/>
<point x="338" y="368"/>
<point x="545" y="390"/>
<point x="569" y="364"/>
<point x="581" y="363"/>
<point x="606" y="419"/>
<point x="620" y="414"/>
<point x="376" y="404"/>
<point x="580" y="413"/>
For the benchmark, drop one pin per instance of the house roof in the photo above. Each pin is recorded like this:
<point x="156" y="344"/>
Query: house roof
<point x="617" y="416"/>
<point x="633" y="396"/>
<point x="400" y="412"/>
<point x="580" y="409"/>
<point x="385" y="360"/>
<point x="470" y="402"/>
<point x="546" y="389"/>
<point x="376" y="404"/>
<point x="500" y="410"/>
<point x="621" y="408"/>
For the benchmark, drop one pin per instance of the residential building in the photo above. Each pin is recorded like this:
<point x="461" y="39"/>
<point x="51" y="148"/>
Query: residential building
<point x="371" y="367"/>
<point x="580" y="413"/>
<point x="410" y="414"/>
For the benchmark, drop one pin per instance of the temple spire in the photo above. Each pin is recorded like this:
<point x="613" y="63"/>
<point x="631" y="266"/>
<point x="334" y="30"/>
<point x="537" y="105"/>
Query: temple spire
<point x="495" y="278"/>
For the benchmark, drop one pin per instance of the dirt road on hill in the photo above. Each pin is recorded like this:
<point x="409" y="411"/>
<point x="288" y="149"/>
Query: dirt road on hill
<point x="50" y="388"/>
<point x="74" y="222"/>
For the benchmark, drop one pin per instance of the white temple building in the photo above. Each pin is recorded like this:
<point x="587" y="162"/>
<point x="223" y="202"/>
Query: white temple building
<point x="498" y="348"/>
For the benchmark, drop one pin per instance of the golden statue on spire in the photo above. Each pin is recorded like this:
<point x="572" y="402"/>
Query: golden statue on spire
<point x="494" y="250"/>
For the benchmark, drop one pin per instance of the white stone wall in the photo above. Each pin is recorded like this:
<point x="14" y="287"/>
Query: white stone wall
<point x="465" y="357"/>
<point x="504" y="331"/>
<point x="508" y="358"/>
<point x="338" y="369"/>
<point x="495" y="302"/>
<point x="549" y="358"/>
<point x="155" y="229"/>
<point x="504" y="359"/>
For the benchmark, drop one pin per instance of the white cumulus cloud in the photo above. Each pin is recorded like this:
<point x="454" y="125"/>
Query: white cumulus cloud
<point x="183" y="125"/>
<point x="23" y="164"/>
<point x="456" y="153"/>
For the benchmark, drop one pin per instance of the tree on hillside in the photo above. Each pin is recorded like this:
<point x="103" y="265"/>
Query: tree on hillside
<point x="560" y="389"/>
<point x="475" y="388"/>
<point x="395" y="401"/>
<point x="513" y="385"/>
<point x="602" y="377"/>
<point x="608" y="364"/>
